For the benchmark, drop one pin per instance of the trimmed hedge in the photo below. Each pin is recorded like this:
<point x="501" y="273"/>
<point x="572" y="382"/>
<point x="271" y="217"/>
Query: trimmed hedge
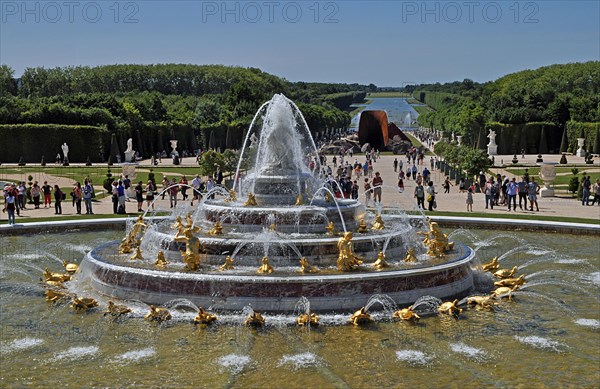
<point x="34" y="140"/>
<point x="511" y="138"/>
<point x="590" y="131"/>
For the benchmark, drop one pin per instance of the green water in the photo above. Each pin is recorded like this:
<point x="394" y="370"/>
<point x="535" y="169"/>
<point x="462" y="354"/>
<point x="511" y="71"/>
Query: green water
<point x="550" y="336"/>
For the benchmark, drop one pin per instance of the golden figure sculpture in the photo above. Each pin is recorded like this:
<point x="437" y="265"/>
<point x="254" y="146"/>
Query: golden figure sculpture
<point x="53" y="296"/>
<point x="449" y="308"/>
<point x="330" y="228"/>
<point x="485" y="302"/>
<point x="204" y="317"/>
<point x="161" y="261"/>
<point x="179" y="226"/>
<point x="360" y="317"/>
<point x="308" y="320"/>
<point x="255" y="319"/>
<point x="228" y="265"/>
<point x="378" y="225"/>
<point x="380" y="263"/>
<point x="232" y="197"/>
<point x="436" y="241"/>
<point x="299" y="200"/>
<point x="410" y="255"/>
<point x="134" y="238"/>
<point x="217" y="229"/>
<point x="191" y="255"/>
<point x="505" y="273"/>
<point x="251" y="202"/>
<point x="116" y="310"/>
<point x="56" y="277"/>
<point x="56" y="284"/>
<point x="362" y="226"/>
<point x="265" y="268"/>
<point x="491" y="266"/>
<point x="504" y="292"/>
<point x="511" y="282"/>
<point x="406" y="314"/>
<point x="305" y="266"/>
<point x="347" y="260"/>
<point x="158" y="314"/>
<point x="328" y="197"/>
<point x="81" y="304"/>
<point x="273" y="227"/>
<point x="70" y="267"/>
<point x="138" y="254"/>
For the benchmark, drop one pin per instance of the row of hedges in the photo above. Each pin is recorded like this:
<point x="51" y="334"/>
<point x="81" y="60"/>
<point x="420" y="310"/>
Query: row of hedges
<point x="589" y="131"/>
<point x="535" y="137"/>
<point x="32" y="141"/>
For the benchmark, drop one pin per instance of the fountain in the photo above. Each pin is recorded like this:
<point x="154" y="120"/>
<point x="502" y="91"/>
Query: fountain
<point x="274" y="230"/>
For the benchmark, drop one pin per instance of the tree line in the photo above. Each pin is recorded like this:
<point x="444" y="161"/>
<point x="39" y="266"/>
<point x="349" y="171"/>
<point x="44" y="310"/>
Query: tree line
<point x="155" y="103"/>
<point x="531" y="105"/>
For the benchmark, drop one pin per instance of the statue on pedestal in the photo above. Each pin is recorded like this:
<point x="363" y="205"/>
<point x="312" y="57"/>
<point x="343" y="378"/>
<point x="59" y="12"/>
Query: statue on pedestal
<point x="492" y="147"/>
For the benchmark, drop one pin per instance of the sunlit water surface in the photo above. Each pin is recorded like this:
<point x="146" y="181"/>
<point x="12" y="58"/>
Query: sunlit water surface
<point x="549" y="336"/>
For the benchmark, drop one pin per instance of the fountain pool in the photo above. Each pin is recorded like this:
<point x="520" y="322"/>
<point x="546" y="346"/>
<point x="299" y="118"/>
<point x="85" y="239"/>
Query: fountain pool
<point x="549" y="336"/>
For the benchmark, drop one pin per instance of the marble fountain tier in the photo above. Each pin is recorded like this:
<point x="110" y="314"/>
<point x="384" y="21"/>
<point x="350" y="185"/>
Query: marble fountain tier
<point x="284" y="221"/>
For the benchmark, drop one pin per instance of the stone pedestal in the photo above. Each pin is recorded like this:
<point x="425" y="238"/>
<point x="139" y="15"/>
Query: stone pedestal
<point x="492" y="149"/>
<point x="580" y="150"/>
<point x="130" y="156"/>
<point x="548" y="174"/>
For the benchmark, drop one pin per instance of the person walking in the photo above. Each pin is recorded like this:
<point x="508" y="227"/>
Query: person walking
<point x="368" y="191"/>
<point x="21" y="195"/>
<point x="532" y="191"/>
<point x="447" y="185"/>
<point x="586" y="188"/>
<point x="489" y="193"/>
<point x="431" y="196"/>
<point x="395" y="165"/>
<point x="121" y="198"/>
<point x="522" y="191"/>
<point x="470" y="200"/>
<point x="183" y="184"/>
<point x="59" y="196"/>
<point x="35" y="194"/>
<point x="596" y="192"/>
<point x="420" y="196"/>
<point x="10" y="205"/>
<point x="47" y="191"/>
<point x="115" y="197"/>
<point x="511" y="192"/>
<point x="77" y="196"/>
<point x="139" y="195"/>
<point x="150" y="190"/>
<point x="88" y="192"/>
<point x="377" y="183"/>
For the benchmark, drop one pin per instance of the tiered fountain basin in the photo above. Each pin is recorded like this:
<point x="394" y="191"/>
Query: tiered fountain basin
<point x="329" y="291"/>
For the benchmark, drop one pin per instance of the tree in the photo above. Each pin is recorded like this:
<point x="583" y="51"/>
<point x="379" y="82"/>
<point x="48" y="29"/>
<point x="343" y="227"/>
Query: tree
<point x="210" y="161"/>
<point x="543" y="148"/>
<point x="564" y="143"/>
<point x="596" y="148"/>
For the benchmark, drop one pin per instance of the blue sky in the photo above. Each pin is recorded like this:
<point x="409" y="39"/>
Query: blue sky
<point x="388" y="43"/>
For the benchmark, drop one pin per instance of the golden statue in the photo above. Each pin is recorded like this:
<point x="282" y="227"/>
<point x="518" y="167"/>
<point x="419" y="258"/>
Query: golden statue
<point x="449" y="308"/>
<point x="485" y="302"/>
<point x="328" y="197"/>
<point x="134" y="238"/>
<point x="265" y="268"/>
<point x="161" y="261"/>
<point x="308" y="320"/>
<point x="191" y="255"/>
<point x="255" y="319"/>
<point x="330" y="228"/>
<point x="410" y="255"/>
<point x="406" y="314"/>
<point x="305" y="266"/>
<point x="228" y="265"/>
<point x="138" y="254"/>
<point x="299" y="200"/>
<point x="179" y="226"/>
<point x="251" y="202"/>
<point x="347" y="260"/>
<point x="360" y="317"/>
<point x="56" y="284"/>
<point x="436" y="241"/>
<point x="158" y="314"/>
<point x="504" y="292"/>
<point x="53" y="296"/>
<point x="70" y="267"/>
<point x="55" y="277"/>
<point x="491" y="266"/>
<point x="505" y="273"/>
<point x="273" y="227"/>
<point x="232" y="197"/>
<point x="511" y="282"/>
<point x="204" y="317"/>
<point x="189" y="220"/>
<point x="380" y="263"/>
<point x="116" y="310"/>
<point x="217" y="229"/>
<point x="378" y="225"/>
<point x="83" y="303"/>
<point x="362" y="226"/>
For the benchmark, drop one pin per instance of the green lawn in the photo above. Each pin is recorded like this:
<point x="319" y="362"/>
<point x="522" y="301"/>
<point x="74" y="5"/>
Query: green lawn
<point x="422" y="109"/>
<point x="560" y="179"/>
<point x="375" y="95"/>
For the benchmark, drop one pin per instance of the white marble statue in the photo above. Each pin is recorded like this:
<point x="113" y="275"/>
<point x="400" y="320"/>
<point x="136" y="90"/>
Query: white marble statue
<point x="492" y="137"/>
<point x="129" y="153"/>
<point x="65" y="150"/>
<point x="129" y="145"/>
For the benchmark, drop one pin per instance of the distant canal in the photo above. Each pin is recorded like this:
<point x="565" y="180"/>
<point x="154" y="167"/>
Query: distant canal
<point x="397" y="110"/>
